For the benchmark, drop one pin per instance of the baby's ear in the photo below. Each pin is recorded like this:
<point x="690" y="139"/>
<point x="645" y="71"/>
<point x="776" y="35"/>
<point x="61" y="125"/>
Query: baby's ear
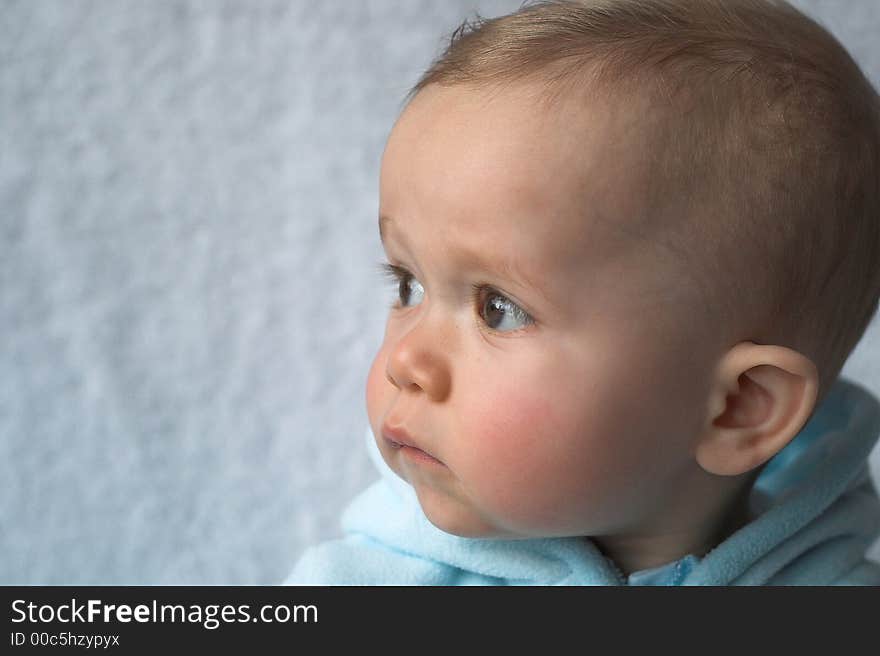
<point x="762" y="397"/>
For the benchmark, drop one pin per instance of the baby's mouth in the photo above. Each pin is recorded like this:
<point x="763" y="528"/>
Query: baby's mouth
<point x="415" y="453"/>
<point x="399" y="440"/>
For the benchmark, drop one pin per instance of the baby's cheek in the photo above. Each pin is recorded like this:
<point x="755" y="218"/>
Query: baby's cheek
<point x="509" y="447"/>
<point x="510" y="419"/>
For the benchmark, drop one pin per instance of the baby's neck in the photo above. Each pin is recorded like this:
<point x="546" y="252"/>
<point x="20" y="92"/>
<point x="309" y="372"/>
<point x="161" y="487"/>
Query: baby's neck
<point x="633" y="553"/>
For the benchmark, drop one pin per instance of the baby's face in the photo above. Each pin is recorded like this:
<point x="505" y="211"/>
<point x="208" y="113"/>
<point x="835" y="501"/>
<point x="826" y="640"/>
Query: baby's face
<point x="546" y="365"/>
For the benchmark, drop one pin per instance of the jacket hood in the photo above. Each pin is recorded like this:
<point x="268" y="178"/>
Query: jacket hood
<point x="815" y="510"/>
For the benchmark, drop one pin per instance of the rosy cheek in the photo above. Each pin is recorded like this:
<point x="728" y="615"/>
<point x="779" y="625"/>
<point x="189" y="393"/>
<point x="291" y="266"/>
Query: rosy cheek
<point x="509" y="418"/>
<point x="510" y="445"/>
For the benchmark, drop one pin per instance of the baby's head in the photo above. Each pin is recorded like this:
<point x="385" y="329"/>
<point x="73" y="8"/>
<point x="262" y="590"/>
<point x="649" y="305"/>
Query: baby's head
<point x="633" y="242"/>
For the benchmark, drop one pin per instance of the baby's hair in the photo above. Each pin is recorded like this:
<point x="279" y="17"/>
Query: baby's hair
<point x="771" y="147"/>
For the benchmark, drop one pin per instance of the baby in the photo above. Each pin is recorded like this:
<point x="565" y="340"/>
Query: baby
<point x="633" y="244"/>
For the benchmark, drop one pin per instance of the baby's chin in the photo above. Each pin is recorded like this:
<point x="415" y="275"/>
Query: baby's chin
<point x="464" y="529"/>
<point x="454" y="517"/>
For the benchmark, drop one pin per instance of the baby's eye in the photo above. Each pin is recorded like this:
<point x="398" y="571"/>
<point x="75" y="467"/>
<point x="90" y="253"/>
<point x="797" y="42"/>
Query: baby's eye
<point x="409" y="290"/>
<point x="502" y="314"/>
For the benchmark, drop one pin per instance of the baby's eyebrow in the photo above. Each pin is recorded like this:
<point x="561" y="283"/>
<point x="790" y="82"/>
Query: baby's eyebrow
<point x="503" y="267"/>
<point x="383" y="220"/>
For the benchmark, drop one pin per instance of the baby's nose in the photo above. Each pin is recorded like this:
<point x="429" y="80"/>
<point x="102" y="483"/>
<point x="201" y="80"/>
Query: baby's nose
<point x="417" y="363"/>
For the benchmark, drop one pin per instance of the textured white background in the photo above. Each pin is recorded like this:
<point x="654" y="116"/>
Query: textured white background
<point x="188" y="296"/>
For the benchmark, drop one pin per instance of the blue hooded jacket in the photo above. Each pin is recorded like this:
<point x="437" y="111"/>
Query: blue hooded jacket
<point x="815" y="513"/>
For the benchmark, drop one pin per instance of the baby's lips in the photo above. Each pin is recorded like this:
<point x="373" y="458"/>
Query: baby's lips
<point x="398" y="437"/>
